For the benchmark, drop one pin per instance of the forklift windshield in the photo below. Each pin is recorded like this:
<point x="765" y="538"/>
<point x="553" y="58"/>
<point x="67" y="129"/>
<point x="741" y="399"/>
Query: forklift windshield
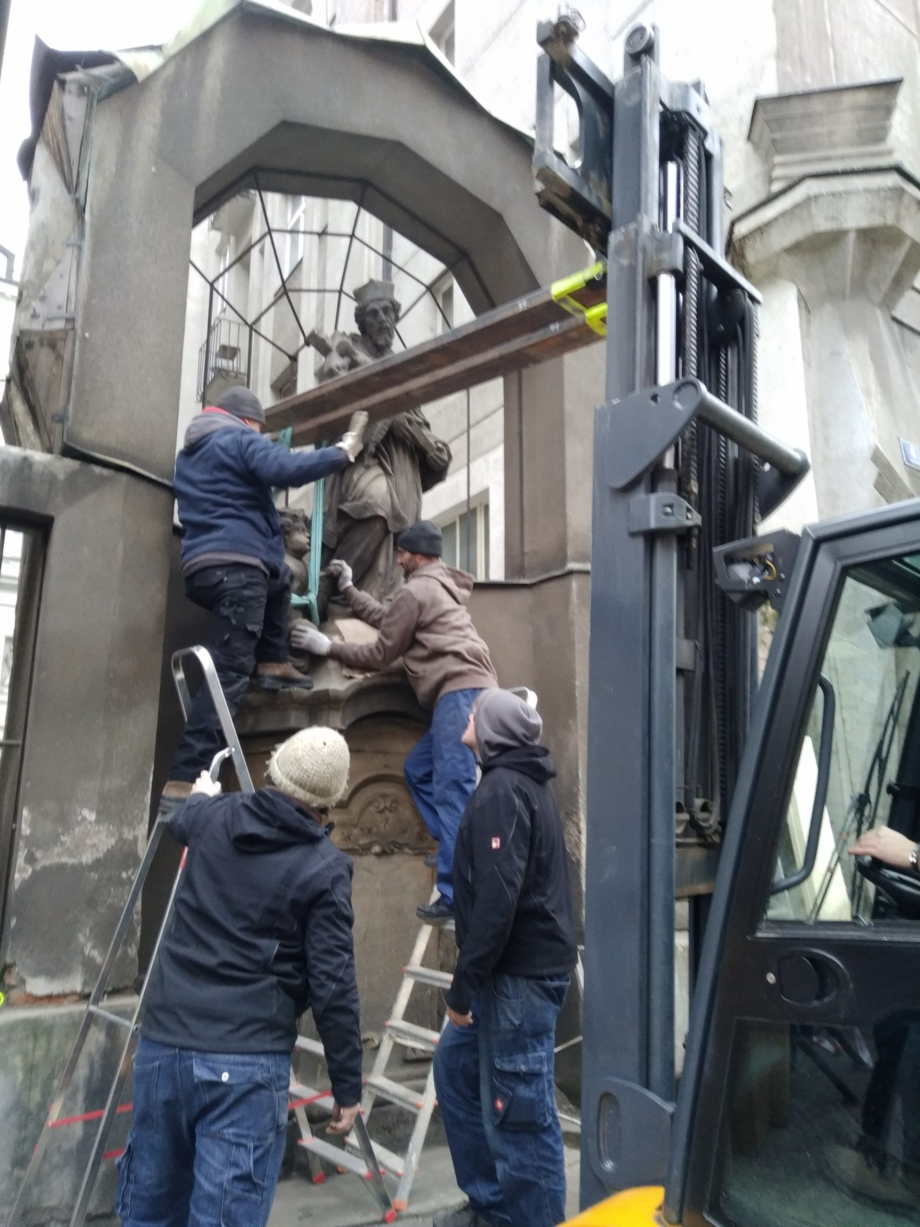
<point x="869" y="680"/>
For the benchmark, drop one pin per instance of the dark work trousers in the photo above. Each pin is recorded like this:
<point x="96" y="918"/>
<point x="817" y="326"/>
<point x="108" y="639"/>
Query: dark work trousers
<point x="207" y="1140"/>
<point x="249" y="626"/>
<point x="494" y="1081"/>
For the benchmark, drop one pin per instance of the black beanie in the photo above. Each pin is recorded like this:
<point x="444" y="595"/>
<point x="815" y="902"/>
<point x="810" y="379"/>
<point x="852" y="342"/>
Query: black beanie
<point x="242" y="404"/>
<point x="422" y="538"/>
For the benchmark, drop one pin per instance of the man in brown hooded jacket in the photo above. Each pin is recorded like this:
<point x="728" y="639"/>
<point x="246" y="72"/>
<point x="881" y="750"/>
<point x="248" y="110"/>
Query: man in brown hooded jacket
<point x="448" y="665"/>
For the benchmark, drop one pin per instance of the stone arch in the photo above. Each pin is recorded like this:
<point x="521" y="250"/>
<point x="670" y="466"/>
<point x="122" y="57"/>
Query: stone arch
<point x="304" y="109"/>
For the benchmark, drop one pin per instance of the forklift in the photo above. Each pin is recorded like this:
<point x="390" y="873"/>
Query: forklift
<point x="798" y="1103"/>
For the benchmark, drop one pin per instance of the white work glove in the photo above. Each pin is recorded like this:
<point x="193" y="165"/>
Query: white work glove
<point x="353" y="439"/>
<point x="342" y="572"/>
<point x="206" y="785"/>
<point x="307" y="638"/>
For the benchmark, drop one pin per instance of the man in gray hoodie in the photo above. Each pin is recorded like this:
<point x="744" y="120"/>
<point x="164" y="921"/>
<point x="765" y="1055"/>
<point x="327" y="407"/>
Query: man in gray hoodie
<point x="448" y="666"/>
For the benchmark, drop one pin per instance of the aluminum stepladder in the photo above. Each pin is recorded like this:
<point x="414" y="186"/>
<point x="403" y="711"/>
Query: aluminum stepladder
<point x="377" y="1084"/>
<point x="130" y="1028"/>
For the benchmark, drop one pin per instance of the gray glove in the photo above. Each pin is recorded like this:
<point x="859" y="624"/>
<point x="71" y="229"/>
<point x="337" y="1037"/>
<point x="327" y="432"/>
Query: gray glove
<point x="342" y="573"/>
<point x="307" y="638"/>
<point x="353" y="439"/>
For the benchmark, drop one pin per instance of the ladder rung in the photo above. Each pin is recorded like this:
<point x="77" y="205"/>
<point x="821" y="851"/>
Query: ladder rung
<point x="386" y="1158"/>
<point x="109" y="1016"/>
<point x="341" y="1158"/>
<point x="395" y="1092"/>
<point x="429" y="975"/>
<point x="308" y="1045"/>
<point x="412" y="1036"/>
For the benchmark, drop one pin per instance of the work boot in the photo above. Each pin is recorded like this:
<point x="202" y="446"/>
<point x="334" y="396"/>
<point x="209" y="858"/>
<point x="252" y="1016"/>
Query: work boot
<point x="431" y="860"/>
<point x="280" y="675"/>
<point x="437" y="913"/>
<point x="848" y="1167"/>
<point x="463" y="1216"/>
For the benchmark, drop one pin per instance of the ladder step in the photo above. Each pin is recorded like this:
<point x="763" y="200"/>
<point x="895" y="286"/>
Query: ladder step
<point x="332" y="1154"/>
<point x="109" y="1016"/>
<point x="308" y="1045"/>
<point x="429" y="975"/>
<point x="411" y="1036"/>
<point x="386" y="1158"/>
<point x="395" y="1092"/>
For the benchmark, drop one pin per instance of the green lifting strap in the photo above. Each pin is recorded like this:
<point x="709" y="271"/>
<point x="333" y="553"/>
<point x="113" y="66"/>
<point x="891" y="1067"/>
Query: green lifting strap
<point x="308" y="600"/>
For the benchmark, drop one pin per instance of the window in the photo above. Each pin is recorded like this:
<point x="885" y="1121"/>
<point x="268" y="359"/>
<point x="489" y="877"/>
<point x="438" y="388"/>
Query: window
<point x="442" y="33"/>
<point x="294" y="239"/>
<point x="444" y="296"/>
<point x="466" y="540"/>
<point x="6" y="662"/>
<point x="861" y="714"/>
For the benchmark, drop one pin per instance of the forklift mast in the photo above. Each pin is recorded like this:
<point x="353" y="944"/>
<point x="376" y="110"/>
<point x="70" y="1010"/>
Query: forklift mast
<point x="682" y="474"/>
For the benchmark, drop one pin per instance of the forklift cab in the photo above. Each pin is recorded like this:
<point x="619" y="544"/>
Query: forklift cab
<point x="799" y="1104"/>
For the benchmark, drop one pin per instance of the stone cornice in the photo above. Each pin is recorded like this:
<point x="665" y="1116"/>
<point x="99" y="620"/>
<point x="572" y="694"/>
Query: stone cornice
<point x="874" y="214"/>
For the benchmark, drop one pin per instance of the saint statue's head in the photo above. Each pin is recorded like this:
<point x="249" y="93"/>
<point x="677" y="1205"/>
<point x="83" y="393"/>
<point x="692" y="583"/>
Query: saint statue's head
<point x="376" y="313"/>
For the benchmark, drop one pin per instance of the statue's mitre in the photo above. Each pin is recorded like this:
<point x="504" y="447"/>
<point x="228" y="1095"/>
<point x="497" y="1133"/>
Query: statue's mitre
<point x="373" y="291"/>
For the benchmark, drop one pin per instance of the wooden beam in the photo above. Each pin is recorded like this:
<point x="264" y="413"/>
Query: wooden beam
<point x="522" y="333"/>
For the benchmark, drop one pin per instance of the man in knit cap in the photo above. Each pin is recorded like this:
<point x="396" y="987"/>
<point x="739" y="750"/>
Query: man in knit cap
<point x="233" y="557"/>
<point x="429" y="626"/>
<point x="493" y="1066"/>
<point x="262" y="931"/>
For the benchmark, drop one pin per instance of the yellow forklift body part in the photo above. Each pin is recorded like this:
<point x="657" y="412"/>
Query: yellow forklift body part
<point x="631" y="1208"/>
<point x="562" y="291"/>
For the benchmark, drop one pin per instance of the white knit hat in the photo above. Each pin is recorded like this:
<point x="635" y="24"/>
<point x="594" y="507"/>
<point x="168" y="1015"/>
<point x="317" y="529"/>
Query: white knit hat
<point x="312" y="766"/>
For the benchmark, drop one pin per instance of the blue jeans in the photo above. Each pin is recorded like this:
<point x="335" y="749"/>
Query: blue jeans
<point x="441" y="774"/>
<point x="207" y="1139"/>
<point x="494" y="1082"/>
<point x="248" y="626"/>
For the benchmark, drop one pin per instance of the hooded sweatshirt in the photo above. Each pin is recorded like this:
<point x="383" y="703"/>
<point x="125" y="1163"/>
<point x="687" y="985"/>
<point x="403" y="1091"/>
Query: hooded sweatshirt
<point x="261" y="932"/>
<point x="225" y="474"/>
<point x="512" y="894"/>
<point x="429" y="626"/>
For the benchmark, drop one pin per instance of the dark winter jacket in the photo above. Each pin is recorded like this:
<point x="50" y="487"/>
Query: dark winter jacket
<point x="429" y="626"/>
<point x="224" y="479"/>
<point x="261" y="933"/>
<point x="512" y="894"/>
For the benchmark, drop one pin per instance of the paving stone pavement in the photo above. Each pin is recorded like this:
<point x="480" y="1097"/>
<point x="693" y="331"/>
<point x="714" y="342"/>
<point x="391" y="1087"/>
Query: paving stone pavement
<point x="346" y="1201"/>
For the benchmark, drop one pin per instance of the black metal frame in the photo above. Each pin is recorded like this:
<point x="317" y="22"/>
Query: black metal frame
<point x="288" y="293"/>
<point x="878" y="972"/>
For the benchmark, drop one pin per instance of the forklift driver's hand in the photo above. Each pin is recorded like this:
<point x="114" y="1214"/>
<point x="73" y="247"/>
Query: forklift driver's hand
<point x="885" y="845"/>
<point x="205" y="784"/>
<point x="459" y="1020"/>
<point x="343" y="1119"/>
<point x="307" y="638"/>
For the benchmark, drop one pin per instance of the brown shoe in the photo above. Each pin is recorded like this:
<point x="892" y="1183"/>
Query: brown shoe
<point x="177" y="788"/>
<point x="278" y="675"/>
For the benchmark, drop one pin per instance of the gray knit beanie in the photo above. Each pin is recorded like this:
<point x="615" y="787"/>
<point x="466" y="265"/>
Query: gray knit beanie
<point x="422" y="538"/>
<point x="242" y="404"/>
<point x="312" y="766"/>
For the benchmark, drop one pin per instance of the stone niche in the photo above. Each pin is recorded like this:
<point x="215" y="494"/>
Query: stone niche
<point x="376" y="824"/>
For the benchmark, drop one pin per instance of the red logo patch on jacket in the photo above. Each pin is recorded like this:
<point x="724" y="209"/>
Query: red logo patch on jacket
<point x="496" y="843"/>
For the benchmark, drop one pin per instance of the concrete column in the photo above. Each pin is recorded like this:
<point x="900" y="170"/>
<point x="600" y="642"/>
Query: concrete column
<point x="850" y="247"/>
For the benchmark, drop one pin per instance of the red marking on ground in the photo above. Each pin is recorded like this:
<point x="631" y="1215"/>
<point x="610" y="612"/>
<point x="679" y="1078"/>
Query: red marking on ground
<point x="114" y="1154"/>
<point x="78" y="1120"/>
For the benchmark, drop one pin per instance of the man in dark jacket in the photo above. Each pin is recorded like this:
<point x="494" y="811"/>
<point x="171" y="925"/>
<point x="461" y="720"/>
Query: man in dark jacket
<point x="494" y="1064"/>
<point x="429" y="626"/>
<point x="261" y="932"/>
<point x="233" y="557"/>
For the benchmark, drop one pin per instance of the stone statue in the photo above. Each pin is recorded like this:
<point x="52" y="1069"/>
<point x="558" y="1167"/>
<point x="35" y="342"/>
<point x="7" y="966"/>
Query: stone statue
<point x="381" y="493"/>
